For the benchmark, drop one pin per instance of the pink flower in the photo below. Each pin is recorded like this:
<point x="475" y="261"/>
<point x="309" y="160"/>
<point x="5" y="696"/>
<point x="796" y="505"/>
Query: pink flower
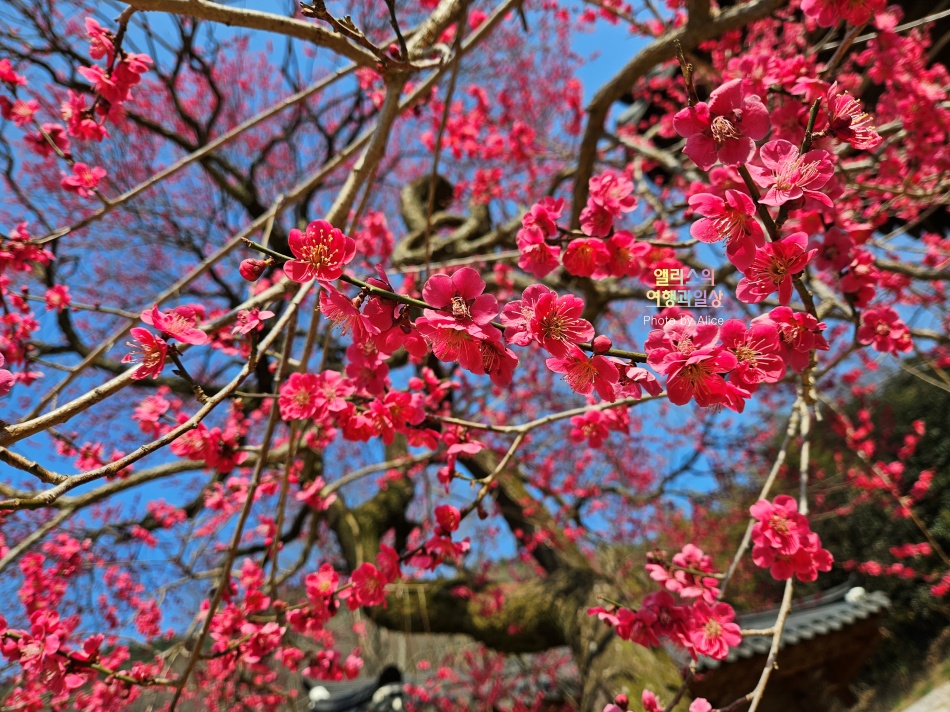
<point x="83" y="180"/>
<point x="712" y="630"/>
<point x="179" y="323"/>
<point x="8" y="76"/>
<point x="610" y="195"/>
<point x="634" y="379"/>
<point x="100" y="40"/>
<point x="756" y="349"/>
<point x="299" y="398"/>
<point x="773" y="268"/>
<point x="517" y="315"/>
<point x="804" y="563"/>
<point x="341" y="310"/>
<point x="498" y="361"/>
<point x="537" y="258"/>
<point x="454" y="341"/>
<point x="783" y="542"/>
<point x="57" y="297"/>
<point x="591" y="426"/>
<point x="585" y="374"/>
<point x="544" y="215"/>
<point x="7" y="379"/>
<point x="388" y="321"/>
<point x="320" y="253"/>
<point x="79" y="119"/>
<point x="780" y="526"/>
<point x="847" y="121"/>
<point x="834" y="251"/>
<point x="557" y="323"/>
<point x="20" y="112"/>
<point x="700" y="704"/>
<point x="320" y="586"/>
<point x="150" y="351"/>
<point x="585" y="256"/>
<point x="613" y="192"/>
<point x="733" y="220"/>
<point x="859" y="279"/>
<point x="626" y="256"/>
<point x="671" y="620"/>
<point x="448" y="518"/>
<point x="388" y="563"/>
<point x="116" y="88"/>
<point x="883" y="328"/>
<point x="798" y="332"/>
<point x="685" y="583"/>
<point x="461" y="296"/>
<point x="828" y="13"/>
<point x="668" y="347"/>
<point x="650" y="703"/>
<point x="726" y="127"/>
<point x="330" y="391"/>
<point x="698" y="376"/>
<point x="789" y="176"/>
<point x="250" y="320"/>
<point x="692" y="360"/>
<point x="596" y="221"/>
<point x="40" y="144"/>
<point x="313" y="497"/>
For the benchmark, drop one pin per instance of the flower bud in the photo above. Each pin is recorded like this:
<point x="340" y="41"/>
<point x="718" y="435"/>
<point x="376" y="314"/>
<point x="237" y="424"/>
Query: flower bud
<point x="252" y="269"/>
<point x="602" y="344"/>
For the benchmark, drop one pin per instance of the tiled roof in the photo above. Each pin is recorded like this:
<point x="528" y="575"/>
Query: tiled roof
<point x="811" y="617"/>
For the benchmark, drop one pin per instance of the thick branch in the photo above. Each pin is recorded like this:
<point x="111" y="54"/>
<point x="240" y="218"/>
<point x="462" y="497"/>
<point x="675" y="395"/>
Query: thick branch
<point x="252" y="19"/>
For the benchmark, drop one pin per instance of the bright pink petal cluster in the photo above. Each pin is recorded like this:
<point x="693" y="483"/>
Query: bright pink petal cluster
<point x="149" y="351"/>
<point x="320" y="252"/>
<point x="732" y="220"/>
<point x="783" y="542"/>
<point x="541" y="316"/>
<point x="7" y="379"/>
<point x="828" y="13"/>
<point x="84" y="179"/>
<point x="726" y="128"/>
<point x="798" y="333"/>
<point x="460" y="297"/>
<point x="684" y="575"/>
<point x="298" y="398"/>
<point x="848" y="122"/>
<point x="585" y="374"/>
<point x="693" y="361"/>
<point x="788" y="176"/>
<point x="585" y="256"/>
<point x="756" y="349"/>
<point x="249" y="320"/>
<point x="180" y="323"/>
<point x="609" y="196"/>
<point x="884" y="330"/>
<point x="713" y="629"/>
<point x="538" y="257"/>
<point x="772" y="269"/>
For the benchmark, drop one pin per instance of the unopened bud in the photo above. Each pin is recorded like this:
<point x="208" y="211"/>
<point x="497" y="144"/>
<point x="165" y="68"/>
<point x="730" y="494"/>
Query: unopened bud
<point x="602" y="344"/>
<point x="621" y="701"/>
<point x="252" y="269"/>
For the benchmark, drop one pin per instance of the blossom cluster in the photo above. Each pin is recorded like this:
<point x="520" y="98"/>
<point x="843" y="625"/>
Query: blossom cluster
<point x="698" y="358"/>
<point x="782" y="541"/>
<point x="699" y="623"/>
